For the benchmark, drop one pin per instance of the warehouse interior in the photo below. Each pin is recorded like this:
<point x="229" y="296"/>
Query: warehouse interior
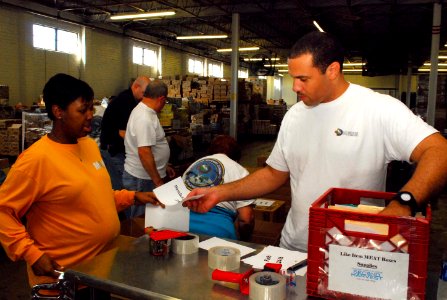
<point x="388" y="49"/>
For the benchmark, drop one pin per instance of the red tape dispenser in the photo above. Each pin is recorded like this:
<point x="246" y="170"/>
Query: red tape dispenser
<point x="242" y="279"/>
<point x="160" y="240"/>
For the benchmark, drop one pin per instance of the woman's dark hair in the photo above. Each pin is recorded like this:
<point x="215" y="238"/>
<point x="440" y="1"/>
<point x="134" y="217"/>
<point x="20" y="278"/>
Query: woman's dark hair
<point x="227" y="145"/>
<point x="324" y="48"/>
<point x="63" y="89"/>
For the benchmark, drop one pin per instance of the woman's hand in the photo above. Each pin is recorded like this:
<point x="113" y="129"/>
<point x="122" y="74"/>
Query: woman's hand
<point x="147" y="197"/>
<point x="45" y="266"/>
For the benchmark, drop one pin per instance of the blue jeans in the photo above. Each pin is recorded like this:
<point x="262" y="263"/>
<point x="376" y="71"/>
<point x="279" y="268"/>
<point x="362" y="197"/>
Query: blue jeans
<point x="132" y="183"/>
<point x="115" y="167"/>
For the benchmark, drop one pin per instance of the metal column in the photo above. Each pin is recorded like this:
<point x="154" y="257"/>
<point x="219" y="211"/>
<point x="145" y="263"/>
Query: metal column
<point x="433" y="79"/>
<point x="234" y="74"/>
<point x="408" y="98"/>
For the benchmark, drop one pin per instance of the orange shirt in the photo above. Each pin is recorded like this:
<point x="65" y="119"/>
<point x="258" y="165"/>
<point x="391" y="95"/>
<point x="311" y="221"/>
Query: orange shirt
<point x="65" y="193"/>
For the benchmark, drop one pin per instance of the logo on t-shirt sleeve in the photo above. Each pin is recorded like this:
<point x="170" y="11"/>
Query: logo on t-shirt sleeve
<point x="205" y="173"/>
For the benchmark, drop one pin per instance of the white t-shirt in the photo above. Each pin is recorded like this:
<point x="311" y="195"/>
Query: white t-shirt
<point x="215" y="170"/>
<point x="344" y="143"/>
<point x="144" y="129"/>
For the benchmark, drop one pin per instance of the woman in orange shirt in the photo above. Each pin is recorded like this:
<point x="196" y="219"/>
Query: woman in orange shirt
<point x="61" y="186"/>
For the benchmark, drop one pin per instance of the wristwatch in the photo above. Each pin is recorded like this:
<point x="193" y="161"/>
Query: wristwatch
<point x="406" y="198"/>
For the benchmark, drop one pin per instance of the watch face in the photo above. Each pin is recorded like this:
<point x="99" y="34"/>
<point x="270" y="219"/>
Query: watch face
<point x="405" y="197"/>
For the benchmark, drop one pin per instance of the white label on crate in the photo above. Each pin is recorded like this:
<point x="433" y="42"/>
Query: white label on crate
<point x="368" y="273"/>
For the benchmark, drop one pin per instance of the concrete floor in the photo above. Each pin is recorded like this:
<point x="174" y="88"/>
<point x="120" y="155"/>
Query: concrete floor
<point x="13" y="278"/>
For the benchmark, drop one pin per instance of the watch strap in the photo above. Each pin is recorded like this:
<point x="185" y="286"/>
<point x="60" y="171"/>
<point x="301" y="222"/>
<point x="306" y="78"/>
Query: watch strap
<point x="412" y="203"/>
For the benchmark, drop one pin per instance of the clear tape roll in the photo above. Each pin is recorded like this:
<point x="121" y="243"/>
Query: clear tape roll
<point x="224" y="258"/>
<point x="267" y="286"/>
<point x="185" y="244"/>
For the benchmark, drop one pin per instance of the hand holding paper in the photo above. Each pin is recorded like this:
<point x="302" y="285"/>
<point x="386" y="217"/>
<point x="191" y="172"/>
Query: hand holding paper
<point x="173" y="192"/>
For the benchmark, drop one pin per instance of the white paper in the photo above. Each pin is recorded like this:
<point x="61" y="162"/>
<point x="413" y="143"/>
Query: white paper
<point x="276" y="255"/>
<point x="174" y="217"/>
<point x="264" y="202"/>
<point x="214" y="242"/>
<point x="173" y="192"/>
<point x="370" y="273"/>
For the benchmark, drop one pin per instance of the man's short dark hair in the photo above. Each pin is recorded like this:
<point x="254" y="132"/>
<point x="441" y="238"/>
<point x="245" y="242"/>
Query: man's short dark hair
<point x="324" y="48"/>
<point x="155" y="89"/>
<point x="63" y="89"/>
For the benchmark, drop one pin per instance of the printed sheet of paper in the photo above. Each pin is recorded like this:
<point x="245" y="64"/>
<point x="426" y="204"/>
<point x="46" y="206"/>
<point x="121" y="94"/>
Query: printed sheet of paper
<point x="370" y="273"/>
<point x="174" y="217"/>
<point x="264" y="202"/>
<point x="214" y="242"/>
<point x="276" y="255"/>
<point x="173" y="192"/>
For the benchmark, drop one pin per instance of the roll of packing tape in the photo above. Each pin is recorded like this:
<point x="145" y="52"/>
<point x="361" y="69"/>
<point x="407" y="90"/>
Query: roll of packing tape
<point x="185" y="244"/>
<point x="267" y="286"/>
<point x="224" y="258"/>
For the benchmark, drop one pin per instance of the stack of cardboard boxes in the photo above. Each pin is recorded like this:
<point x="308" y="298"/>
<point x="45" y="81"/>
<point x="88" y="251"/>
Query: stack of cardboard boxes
<point x="10" y="136"/>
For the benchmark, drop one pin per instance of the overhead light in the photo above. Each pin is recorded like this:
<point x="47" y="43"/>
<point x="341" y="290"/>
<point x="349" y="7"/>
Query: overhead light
<point x="141" y="16"/>
<point x="278" y="65"/>
<point x="281" y="75"/>
<point x="259" y="59"/>
<point x="352" y="70"/>
<point x="283" y="70"/>
<point x="439" y="64"/>
<point x="240" y="49"/>
<point x="202" y="37"/>
<point x="442" y="57"/>
<point x="353" y="64"/>
<point x="428" y="70"/>
<point x="318" y="26"/>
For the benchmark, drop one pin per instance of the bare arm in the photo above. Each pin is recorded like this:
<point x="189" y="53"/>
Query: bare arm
<point x="246" y="222"/>
<point x="148" y="162"/>
<point x="430" y="175"/>
<point x="257" y="184"/>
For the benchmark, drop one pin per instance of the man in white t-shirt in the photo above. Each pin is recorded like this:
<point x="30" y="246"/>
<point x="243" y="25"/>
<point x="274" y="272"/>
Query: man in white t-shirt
<point x="147" y="150"/>
<point x="339" y="135"/>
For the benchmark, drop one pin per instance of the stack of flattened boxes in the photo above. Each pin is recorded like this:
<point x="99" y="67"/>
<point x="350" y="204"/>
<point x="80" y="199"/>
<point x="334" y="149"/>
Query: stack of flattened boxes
<point x="221" y="91"/>
<point x="10" y="136"/>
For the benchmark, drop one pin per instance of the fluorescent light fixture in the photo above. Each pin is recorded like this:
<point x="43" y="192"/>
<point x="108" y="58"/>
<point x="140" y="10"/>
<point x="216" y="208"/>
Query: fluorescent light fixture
<point x="202" y="37"/>
<point x="141" y="16"/>
<point x="318" y="26"/>
<point x="439" y="64"/>
<point x="278" y="65"/>
<point x="352" y="70"/>
<point x="283" y="70"/>
<point x="259" y="59"/>
<point x="428" y="70"/>
<point x="281" y="75"/>
<point x="442" y="57"/>
<point x="240" y="49"/>
<point x="353" y="64"/>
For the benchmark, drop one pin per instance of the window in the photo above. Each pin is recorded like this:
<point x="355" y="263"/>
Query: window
<point x="195" y="66"/>
<point x="143" y="56"/>
<point x="55" y="39"/>
<point x="215" y="70"/>
<point x="243" y="73"/>
<point x="277" y="84"/>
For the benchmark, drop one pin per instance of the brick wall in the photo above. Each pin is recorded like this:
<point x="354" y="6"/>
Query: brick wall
<point x="108" y="58"/>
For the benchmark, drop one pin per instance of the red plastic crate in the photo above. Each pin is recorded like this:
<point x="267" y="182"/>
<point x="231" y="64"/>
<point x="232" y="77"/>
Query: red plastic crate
<point x="415" y="231"/>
